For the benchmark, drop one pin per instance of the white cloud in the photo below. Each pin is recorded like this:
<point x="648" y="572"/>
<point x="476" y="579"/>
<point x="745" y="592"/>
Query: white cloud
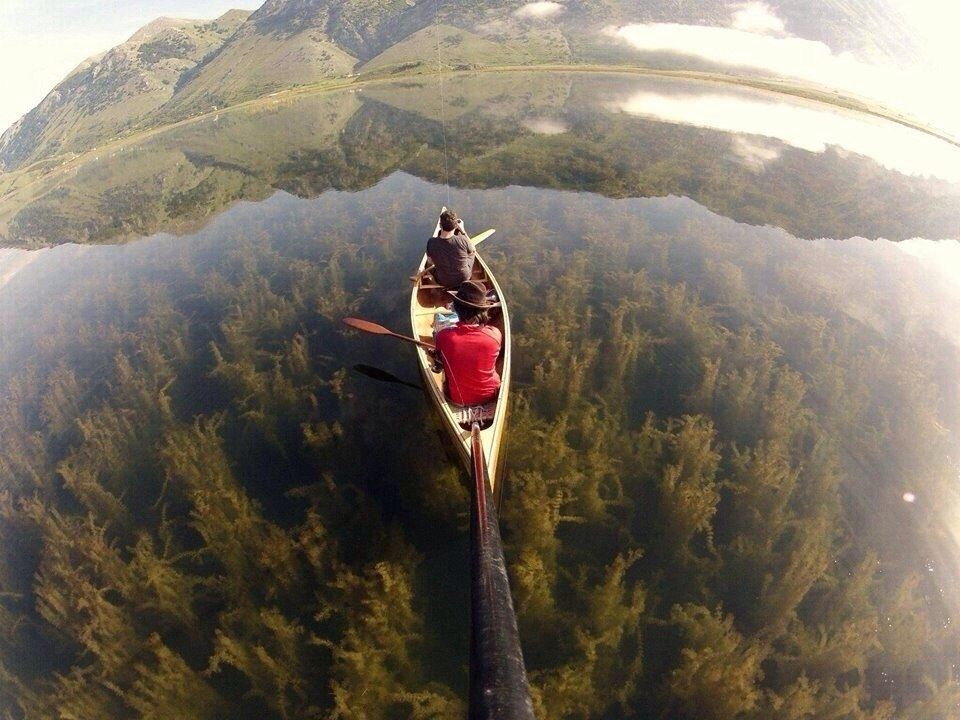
<point x="809" y="127"/>
<point x="785" y="56"/>
<point x="546" y="126"/>
<point x="753" y="153"/>
<point x="933" y="26"/>
<point x="538" y="10"/>
<point x="756" y="17"/>
<point x="920" y="93"/>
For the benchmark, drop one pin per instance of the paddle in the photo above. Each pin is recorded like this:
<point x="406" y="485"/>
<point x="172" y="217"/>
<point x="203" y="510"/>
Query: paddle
<point x="482" y="236"/>
<point x="383" y="376"/>
<point x="475" y="240"/>
<point x="498" y="680"/>
<point x="370" y="327"/>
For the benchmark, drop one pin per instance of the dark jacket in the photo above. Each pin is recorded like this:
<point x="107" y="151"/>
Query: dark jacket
<point x="453" y="257"/>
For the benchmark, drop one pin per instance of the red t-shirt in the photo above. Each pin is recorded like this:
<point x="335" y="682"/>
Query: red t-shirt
<point x="469" y="356"/>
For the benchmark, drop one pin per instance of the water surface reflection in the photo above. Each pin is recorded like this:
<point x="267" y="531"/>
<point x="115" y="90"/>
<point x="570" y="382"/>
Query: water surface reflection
<point x="814" y="171"/>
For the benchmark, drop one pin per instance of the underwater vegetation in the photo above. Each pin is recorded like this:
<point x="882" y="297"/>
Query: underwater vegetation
<point x="204" y="513"/>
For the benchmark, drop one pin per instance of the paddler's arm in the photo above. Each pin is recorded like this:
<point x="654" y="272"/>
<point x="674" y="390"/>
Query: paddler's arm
<point x="462" y="231"/>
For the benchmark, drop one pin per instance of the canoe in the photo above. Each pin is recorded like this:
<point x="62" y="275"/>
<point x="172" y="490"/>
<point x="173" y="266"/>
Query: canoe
<point x="426" y="300"/>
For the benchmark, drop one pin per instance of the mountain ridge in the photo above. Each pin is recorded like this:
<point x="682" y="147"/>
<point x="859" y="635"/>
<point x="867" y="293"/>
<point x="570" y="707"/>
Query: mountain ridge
<point x="159" y="25"/>
<point x="108" y="93"/>
<point x="173" y="68"/>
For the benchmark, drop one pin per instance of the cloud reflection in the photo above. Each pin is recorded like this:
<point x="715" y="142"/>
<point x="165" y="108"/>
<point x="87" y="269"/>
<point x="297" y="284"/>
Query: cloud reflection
<point x="790" y="56"/>
<point x="753" y="153"/>
<point x="537" y="10"/>
<point x="808" y="127"/>
<point x="13" y="261"/>
<point x="940" y="260"/>
<point x="546" y="126"/>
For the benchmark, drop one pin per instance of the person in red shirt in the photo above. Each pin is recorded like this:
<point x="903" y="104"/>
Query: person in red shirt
<point x="468" y="351"/>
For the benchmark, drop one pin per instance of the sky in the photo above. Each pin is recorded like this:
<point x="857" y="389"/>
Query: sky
<point x="41" y="41"/>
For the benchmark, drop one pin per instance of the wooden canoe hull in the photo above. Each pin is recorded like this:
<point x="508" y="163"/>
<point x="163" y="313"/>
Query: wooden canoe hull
<point x="424" y="303"/>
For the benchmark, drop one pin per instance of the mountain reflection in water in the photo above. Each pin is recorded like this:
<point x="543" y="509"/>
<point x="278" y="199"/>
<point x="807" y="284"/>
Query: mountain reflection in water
<point x="207" y="513"/>
<point x="756" y="158"/>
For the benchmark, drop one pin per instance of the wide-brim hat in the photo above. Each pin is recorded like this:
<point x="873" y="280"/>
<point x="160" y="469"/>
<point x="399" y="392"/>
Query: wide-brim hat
<point x="474" y="294"/>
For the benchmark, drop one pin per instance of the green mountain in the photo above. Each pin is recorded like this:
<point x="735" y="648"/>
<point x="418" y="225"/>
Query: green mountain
<point x="293" y="42"/>
<point x="271" y="51"/>
<point x="460" y="49"/>
<point x="110" y="93"/>
<point x="174" y="69"/>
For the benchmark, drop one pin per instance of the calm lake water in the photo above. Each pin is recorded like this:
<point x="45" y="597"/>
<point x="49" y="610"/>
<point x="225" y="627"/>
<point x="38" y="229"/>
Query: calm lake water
<point x="733" y="456"/>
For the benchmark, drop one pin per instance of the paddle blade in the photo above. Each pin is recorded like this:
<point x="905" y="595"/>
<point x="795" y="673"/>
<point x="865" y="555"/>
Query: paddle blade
<point x="366" y="326"/>
<point x="383" y="376"/>
<point x="482" y="236"/>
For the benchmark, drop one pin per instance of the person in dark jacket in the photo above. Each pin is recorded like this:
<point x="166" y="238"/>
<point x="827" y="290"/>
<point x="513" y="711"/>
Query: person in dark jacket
<point x="451" y="252"/>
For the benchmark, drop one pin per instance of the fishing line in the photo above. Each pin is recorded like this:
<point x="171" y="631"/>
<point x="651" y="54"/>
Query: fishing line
<point x="443" y="121"/>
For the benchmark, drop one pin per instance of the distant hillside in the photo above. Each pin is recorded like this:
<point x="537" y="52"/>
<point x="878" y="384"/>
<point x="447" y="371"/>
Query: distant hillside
<point x="291" y="42"/>
<point x="271" y="51"/>
<point x="111" y="92"/>
<point x="461" y="49"/>
<point x="173" y="69"/>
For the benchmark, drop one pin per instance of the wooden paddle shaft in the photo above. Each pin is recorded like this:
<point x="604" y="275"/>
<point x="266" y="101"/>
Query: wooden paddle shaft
<point x="498" y="680"/>
<point x="375" y="329"/>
